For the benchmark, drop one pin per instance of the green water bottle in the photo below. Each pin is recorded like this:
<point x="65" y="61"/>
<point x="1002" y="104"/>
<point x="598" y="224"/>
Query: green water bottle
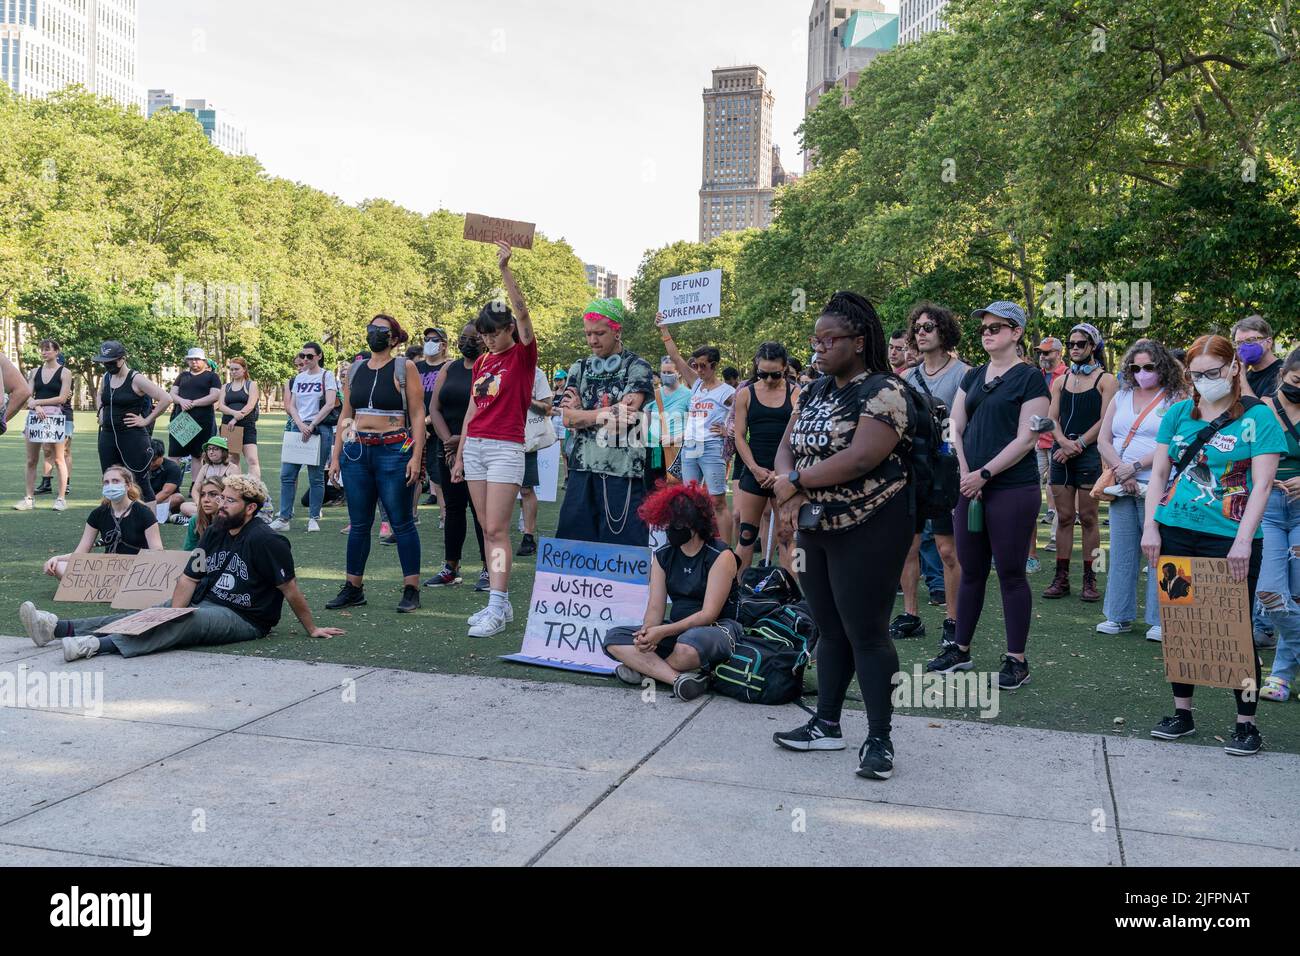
<point x="975" y="517"/>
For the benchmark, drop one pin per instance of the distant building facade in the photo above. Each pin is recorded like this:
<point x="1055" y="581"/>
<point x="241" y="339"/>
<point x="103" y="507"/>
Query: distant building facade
<point x="736" y="190"/>
<point x="222" y="129"/>
<point x="916" y="18"/>
<point x="48" y="45"/>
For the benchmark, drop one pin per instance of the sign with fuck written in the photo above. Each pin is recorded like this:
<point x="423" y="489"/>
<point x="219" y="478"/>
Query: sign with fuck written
<point x="581" y="591"/>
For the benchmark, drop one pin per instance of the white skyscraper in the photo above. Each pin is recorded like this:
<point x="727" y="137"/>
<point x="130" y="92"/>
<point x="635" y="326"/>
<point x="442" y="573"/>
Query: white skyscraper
<point x="221" y="128"/>
<point x="47" y="45"/>
<point x="916" y="18"/>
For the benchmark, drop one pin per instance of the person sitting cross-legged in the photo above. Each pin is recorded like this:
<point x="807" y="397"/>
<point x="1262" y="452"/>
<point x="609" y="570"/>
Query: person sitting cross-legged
<point x="238" y="594"/>
<point x="698" y="572"/>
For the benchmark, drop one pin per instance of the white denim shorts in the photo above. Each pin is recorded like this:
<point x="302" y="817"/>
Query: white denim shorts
<point x="489" y="459"/>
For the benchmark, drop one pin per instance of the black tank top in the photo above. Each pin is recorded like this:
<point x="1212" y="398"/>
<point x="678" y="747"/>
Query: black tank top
<point x="44" y="390"/>
<point x="375" y="390"/>
<point x="687" y="580"/>
<point x="238" y="400"/>
<point x="454" y="400"/>
<point x="766" y="426"/>
<point x="122" y="401"/>
<point x="1079" y="411"/>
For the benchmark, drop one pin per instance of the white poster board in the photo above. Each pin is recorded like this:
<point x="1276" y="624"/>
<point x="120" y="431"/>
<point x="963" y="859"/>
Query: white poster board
<point x="49" y="430"/>
<point x="690" y="297"/>
<point x="548" y="473"/>
<point x="295" y="451"/>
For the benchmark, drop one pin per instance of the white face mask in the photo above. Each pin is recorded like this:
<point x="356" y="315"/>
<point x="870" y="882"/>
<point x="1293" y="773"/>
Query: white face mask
<point x="1213" y="391"/>
<point x="432" y="349"/>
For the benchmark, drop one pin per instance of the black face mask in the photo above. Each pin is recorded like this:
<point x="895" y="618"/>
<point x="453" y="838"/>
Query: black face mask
<point x="378" y="338"/>
<point x="679" y="536"/>
<point x="1291" y="393"/>
<point x="115" y="367"/>
<point x="470" y="348"/>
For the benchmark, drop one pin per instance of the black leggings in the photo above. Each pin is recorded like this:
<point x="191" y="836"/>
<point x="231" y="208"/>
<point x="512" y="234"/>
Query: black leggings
<point x="852" y="609"/>
<point x="1010" y="515"/>
<point x="1179" y="542"/>
<point x="129" y="447"/>
<point x="455" y="499"/>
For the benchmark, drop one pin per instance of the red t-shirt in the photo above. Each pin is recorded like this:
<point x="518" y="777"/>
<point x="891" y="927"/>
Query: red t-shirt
<point x="502" y="391"/>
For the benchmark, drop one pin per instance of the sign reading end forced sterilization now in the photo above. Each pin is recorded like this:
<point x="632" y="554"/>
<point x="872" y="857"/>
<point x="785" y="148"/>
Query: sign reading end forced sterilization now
<point x="581" y="591"/>
<point x="696" y="296"/>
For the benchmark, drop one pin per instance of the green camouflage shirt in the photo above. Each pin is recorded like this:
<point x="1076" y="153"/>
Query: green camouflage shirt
<point x="619" y="456"/>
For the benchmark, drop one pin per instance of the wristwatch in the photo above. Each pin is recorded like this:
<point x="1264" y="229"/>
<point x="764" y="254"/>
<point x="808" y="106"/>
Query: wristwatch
<point x="986" y="474"/>
<point x="793" y="478"/>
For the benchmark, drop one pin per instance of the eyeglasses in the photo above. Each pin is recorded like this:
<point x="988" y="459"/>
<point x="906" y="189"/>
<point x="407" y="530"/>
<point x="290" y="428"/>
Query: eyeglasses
<point x="926" y="327"/>
<point x="1251" y="341"/>
<point x="227" y="500"/>
<point x="1149" y="367"/>
<point x="1213" y="375"/>
<point x="826" y="344"/>
<point x="993" y="328"/>
<point x="1080" y="344"/>
<point x="765" y="376"/>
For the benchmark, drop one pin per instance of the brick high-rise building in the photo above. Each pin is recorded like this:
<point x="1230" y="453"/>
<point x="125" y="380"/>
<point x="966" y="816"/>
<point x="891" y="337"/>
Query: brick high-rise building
<point x="48" y="45"/>
<point x="736" y="191"/>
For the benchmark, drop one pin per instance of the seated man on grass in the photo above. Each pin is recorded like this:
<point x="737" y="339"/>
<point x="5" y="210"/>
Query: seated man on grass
<point x="246" y="575"/>
<point x="698" y="572"/>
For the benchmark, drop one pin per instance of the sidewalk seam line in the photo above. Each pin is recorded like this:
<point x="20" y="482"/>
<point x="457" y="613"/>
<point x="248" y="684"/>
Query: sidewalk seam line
<point x="98" y="856"/>
<point x="1114" y="803"/>
<point x="609" y="791"/>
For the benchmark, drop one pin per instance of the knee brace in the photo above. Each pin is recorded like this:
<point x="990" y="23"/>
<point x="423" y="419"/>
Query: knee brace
<point x="748" y="535"/>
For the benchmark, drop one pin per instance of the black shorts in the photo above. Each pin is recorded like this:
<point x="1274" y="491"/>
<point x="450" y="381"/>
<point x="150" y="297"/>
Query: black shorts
<point x="1082" y="471"/>
<point x="939" y="520"/>
<point x="749" y="484"/>
<point x="530" y="470"/>
<point x="195" y="448"/>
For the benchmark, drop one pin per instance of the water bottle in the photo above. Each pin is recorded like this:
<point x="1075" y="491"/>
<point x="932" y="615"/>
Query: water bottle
<point x="975" y="517"/>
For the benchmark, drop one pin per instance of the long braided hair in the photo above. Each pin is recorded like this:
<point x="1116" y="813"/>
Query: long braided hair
<point x="860" y="316"/>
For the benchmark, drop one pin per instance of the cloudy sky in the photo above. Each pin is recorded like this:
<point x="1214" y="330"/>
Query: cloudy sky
<point x="583" y="116"/>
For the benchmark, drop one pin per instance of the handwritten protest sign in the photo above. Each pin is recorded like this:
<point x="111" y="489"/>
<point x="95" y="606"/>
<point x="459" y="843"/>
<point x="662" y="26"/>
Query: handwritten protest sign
<point x="1205" y="624"/>
<point x="151" y="580"/>
<point x="183" y="428"/>
<point x="234" y="436"/>
<point x="94" y="578"/>
<point x="581" y="591"/>
<point x="696" y="296"/>
<point x="144" y="621"/>
<point x="486" y="229"/>
<point x="295" y="451"/>
<point x="49" y="430"/>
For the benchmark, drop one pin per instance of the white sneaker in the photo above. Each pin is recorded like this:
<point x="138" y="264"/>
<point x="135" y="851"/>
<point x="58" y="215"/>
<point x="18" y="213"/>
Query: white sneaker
<point x="76" y="648"/>
<point x="60" y="504"/>
<point x="1113" y="627"/>
<point x="313" y="526"/>
<point x="479" y="615"/>
<point x="491" y="624"/>
<point x="38" y="624"/>
<point x="280" y="524"/>
<point x="25" y="504"/>
<point x="1154" y="634"/>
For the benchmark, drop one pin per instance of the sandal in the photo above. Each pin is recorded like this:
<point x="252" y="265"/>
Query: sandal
<point x="1275" y="688"/>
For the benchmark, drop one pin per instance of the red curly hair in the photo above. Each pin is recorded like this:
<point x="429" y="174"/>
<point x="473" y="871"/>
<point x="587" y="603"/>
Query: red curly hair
<point x="686" y="506"/>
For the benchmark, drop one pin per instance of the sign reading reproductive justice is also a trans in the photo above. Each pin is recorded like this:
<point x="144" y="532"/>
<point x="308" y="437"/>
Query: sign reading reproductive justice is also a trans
<point x="581" y="591"/>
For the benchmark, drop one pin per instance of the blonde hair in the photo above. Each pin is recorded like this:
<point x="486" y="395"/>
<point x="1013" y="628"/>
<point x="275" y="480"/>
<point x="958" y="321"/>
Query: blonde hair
<point x="133" y="492"/>
<point x="247" y="487"/>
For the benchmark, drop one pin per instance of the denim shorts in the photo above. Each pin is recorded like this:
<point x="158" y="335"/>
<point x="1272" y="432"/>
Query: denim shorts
<point x="490" y="459"/>
<point x="705" y="464"/>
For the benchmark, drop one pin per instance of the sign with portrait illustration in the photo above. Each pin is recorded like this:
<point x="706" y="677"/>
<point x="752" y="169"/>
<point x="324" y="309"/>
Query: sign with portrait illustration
<point x="1205" y="621"/>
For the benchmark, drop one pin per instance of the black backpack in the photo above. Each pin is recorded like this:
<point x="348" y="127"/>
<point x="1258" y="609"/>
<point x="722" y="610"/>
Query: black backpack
<point x="933" y="469"/>
<point x="767" y="666"/>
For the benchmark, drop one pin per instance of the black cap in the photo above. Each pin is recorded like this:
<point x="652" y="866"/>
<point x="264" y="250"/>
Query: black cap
<point x="110" y="352"/>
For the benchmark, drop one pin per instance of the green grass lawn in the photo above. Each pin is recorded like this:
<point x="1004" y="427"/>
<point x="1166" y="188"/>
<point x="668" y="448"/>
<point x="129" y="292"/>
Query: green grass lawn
<point x="1082" y="681"/>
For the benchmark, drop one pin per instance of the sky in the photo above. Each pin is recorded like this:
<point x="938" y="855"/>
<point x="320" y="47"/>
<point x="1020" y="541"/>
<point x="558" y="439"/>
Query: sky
<point x="582" y="116"/>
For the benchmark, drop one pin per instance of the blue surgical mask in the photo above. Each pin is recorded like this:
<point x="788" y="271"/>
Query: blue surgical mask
<point x="115" y="492"/>
<point x="670" y="381"/>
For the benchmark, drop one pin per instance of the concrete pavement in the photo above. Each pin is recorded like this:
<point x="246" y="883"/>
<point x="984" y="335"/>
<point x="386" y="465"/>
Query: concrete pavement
<point x="199" y="759"/>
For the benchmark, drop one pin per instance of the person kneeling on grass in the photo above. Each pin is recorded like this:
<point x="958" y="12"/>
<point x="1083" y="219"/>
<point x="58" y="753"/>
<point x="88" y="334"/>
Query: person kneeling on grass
<point x="698" y="572"/>
<point x="238" y="595"/>
<point x="122" y="524"/>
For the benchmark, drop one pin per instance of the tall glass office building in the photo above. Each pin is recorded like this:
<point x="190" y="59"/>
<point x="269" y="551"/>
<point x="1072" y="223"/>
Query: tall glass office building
<point x="46" y="45"/>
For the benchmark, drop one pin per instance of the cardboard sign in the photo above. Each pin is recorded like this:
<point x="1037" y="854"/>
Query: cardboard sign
<point x="49" y="430"/>
<point x="486" y="229"/>
<point x="143" y="622"/>
<point x="234" y="436"/>
<point x="581" y="590"/>
<point x="295" y="451"/>
<point x="696" y="296"/>
<point x="1206" y="631"/>
<point x="94" y="578"/>
<point x="183" y="428"/>
<point x="151" y="580"/>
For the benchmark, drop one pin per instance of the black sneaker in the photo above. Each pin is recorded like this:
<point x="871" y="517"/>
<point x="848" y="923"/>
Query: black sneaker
<point x="388" y="539"/>
<point x="1014" y="673"/>
<point x="814" y="735"/>
<point x="1245" y="741"/>
<point x="690" y="686"/>
<point x="1171" y="728"/>
<point x="526" y="547"/>
<point x="44" y="488"/>
<point x="445" y="578"/>
<point x="938" y="599"/>
<point x="951" y="659"/>
<point x="876" y="759"/>
<point x="949" y="632"/>
<point x="410" y="600"/>
<point x="906" y="625"/>
<point x="484" y="582"/>
<point x="348" y="596"/>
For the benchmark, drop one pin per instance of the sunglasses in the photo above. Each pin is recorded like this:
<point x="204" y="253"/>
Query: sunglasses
<point x="1080" y="344"/>
<point x="1149" y="367"/>
<point x="993" y="328"/>
<point x="306" y="356"/>
<point x="765" y="376"/>
<point x="926" y="327"/>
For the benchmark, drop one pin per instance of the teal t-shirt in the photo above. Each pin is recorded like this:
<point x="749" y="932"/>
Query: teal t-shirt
<point x="1211" y="495"/>
<point x="1289" y="466"/>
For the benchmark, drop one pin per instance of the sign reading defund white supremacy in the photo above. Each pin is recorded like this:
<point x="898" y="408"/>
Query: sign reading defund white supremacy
<point x="581" y="591"/>
<point x="697" y="296"/>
